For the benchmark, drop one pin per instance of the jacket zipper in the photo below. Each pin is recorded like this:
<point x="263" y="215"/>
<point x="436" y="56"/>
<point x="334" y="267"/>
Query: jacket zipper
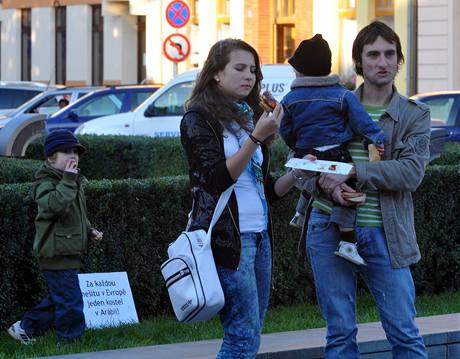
<point x="271" y="225"/>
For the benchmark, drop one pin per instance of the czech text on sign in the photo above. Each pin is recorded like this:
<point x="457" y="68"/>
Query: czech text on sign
<point x="107" y="299"/>
<point x="176" y="47"/>
<point x="177" y="13"/>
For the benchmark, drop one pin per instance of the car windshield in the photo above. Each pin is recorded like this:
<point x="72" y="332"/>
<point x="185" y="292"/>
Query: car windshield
<point x="103" y="105"/>
<point x="12" y="98"/>
<point x="172" y="102"/>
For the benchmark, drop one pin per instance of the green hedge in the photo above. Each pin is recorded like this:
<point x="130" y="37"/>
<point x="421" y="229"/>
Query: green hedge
<point x="121" y="157"/>
<point x="140" y="217"/>
<point x="450" y="156"/>
<point x="17" y="170"/>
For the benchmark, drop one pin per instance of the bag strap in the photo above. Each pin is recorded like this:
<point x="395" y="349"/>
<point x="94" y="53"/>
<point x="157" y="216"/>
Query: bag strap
<point x="221" y="203"/>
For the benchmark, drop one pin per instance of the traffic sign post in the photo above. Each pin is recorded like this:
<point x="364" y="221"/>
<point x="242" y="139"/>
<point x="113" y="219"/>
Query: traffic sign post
<point x="177" y="13"/>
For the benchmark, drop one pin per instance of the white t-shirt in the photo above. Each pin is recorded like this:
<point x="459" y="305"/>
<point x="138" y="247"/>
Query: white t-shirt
<point x="250" y="208"/>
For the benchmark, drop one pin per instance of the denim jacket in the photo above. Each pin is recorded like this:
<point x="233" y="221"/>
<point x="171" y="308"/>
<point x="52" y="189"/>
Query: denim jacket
<point x="319" y="112"/>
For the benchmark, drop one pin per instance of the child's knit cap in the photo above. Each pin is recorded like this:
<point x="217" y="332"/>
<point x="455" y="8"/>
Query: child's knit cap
<point x="61" y="139"/>
<point x="312" y="57"/>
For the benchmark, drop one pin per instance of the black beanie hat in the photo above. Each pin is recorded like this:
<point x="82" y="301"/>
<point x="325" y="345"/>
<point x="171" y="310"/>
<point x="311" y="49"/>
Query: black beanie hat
<point x="60" y="140"/>
<point x="312" y="57"/>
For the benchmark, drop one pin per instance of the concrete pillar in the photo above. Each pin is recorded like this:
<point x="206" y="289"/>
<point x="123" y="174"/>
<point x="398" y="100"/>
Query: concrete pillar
<point x="365" y="12"/>
<point x="153" y="48"/>
<point x="43" y="45"/>
<point x="208" y="28"/>
<point x="237" y="19"/>
<point x="11" y="44"/>
<point x="454" y="46"/>
<point x="78" y="39"/>
<point x="329" y="29"/>
<point x="120" y="44"/>
<point x="401" y="27"/>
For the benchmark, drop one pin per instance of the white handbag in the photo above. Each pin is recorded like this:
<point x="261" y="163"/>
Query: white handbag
<point x="190" y="272"/>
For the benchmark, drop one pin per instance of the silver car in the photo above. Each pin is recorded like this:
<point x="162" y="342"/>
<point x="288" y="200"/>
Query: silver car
<point x="14" y="93"/>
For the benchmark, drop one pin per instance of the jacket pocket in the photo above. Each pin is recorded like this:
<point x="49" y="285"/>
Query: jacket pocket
<point x="68" y="241"/>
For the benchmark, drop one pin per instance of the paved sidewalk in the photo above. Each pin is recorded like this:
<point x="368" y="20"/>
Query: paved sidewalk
<point x="440" y="333"/>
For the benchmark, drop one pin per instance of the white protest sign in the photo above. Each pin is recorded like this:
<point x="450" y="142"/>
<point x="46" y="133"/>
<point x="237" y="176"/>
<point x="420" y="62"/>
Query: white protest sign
<point x="107" y="299"/>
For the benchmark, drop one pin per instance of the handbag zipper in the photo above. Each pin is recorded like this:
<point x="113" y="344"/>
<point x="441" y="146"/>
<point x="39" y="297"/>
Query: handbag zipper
<point x="177" y="276"/>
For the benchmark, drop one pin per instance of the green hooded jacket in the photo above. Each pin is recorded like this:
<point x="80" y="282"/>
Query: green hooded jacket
<point x="61" y="224"/>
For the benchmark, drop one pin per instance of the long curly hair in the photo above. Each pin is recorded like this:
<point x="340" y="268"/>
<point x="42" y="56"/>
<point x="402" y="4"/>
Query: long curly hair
<point x="207" y="94"/>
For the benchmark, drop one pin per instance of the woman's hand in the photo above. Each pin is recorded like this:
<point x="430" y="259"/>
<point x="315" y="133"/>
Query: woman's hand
<point x="268" y="123"/>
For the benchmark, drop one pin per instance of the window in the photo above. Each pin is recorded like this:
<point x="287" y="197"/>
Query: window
<point x="139" y="97"/>
<point x="223" y="19"/>
<point x="441" y="110"/>
<point x="172" y="102"/>
<point x="141" y="68"/>
<point x="61" y="21"/>
<point x="12" y="98"/>
<point x="285" y="42"/>
<point x="284" y="30"/>
<point x="97" y="45"/>
<point x="50" y="104"/>
<point x="194" y="12"/>
<point x="384" y="11"/>
<point x="26" y="45"/>
<point x="103" y="105"/>
<point x="285" y="8"/>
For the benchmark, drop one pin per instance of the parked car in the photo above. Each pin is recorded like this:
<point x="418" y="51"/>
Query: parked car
<point x="99" y="103"/>
<point x="46" y="103"/>
<point x="445" y="111"/>
<point x="160" y="115"/>
<point x="14" y="93"/>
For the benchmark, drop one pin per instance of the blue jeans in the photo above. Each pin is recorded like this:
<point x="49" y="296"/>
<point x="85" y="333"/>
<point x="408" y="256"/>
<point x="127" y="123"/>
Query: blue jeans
<point x="62" y="308"/>
<point x="335" y="281"/>
<point x="247" y="292"/>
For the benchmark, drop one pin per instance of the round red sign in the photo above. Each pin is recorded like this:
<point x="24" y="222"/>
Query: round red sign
<point x="177" y="13"/>
<point x="176" y="47"/>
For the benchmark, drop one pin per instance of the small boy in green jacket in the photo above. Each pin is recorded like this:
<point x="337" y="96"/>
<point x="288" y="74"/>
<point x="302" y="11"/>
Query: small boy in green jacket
<point x="61" y="238"/>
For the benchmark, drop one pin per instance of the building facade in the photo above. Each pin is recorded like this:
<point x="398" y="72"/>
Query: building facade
<point x="93" y="42"/>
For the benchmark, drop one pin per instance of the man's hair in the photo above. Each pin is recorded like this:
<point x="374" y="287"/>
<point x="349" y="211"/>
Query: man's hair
<point x="368" y="35"/>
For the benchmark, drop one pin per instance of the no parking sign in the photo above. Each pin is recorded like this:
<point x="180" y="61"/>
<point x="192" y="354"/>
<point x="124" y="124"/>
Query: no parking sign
<point x="176" y="47"/>
<point x="177" y="13"/>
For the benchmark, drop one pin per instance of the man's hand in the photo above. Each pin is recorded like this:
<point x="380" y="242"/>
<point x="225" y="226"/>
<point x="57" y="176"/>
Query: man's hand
<point x="329" y="181"/>
<point x="337" y="197"/>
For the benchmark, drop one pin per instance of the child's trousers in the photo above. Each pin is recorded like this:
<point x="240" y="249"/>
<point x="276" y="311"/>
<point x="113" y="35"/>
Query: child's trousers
<point x="62" y="308"/>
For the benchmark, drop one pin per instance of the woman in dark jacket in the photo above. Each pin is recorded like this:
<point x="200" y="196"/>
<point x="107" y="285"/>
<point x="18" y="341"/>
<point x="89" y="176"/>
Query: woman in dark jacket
<point x="226" y="144"/>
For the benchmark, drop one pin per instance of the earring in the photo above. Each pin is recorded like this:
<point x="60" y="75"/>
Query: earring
<point x="217" y="79"/>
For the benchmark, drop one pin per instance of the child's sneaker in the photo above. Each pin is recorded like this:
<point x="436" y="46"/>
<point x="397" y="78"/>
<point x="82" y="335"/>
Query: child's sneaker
<point x="20" y="334"/>
<point x="349" y="252"/>
<point x="297" y="220"/>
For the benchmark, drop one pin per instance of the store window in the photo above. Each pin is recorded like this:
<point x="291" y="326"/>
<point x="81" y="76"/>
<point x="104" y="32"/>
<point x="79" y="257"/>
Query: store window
<point x="61" y="24"/>
<point x="26" y="45"/>
<point x="284" y="30"/>
<point x="348" y="30"/>
<point x="97" y="45"/>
